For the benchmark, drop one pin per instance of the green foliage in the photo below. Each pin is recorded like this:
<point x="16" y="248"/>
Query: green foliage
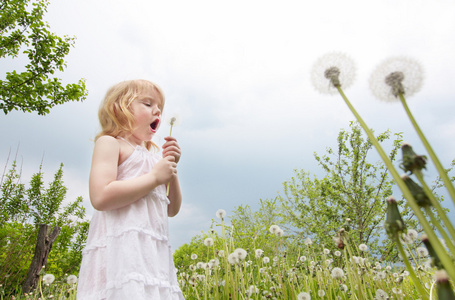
<point x="23" y="209"/>
<point x="353" y="189"/>
<point x="22" y="29"/>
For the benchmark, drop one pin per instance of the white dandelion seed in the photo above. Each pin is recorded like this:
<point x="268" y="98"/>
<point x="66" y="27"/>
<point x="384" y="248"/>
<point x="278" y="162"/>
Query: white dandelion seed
<point x="220" y="214"/>
<point x="332" y="68"/>
<point x="308" y="242"/>
<point x="363" y="247"/>
<point x="241" y="253"/>
<point x="233" y="258"/>
<point x="422" y="251"/>
<point x="71" y="279"/>
<point x="394" y="76"/>
<point x="337" y="272"/>
<point x="303" y="296"/>
<point x="274" y="228"/>
<point x="48" y="278"/>
<point x="208" y="242"/>
<point x="380" y="294"/>
<point x="258" y="253"/>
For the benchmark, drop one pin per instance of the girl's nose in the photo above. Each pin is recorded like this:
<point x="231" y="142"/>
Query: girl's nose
<point x="156" y="110"/>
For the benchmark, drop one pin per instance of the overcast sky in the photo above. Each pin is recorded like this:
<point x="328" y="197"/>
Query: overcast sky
<point x="238" y="74"/>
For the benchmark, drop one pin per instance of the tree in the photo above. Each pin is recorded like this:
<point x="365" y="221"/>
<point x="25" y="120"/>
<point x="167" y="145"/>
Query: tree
<point x="22" y="30"/>
<point x="23" y="210"/>
<point x="353" y="189"/>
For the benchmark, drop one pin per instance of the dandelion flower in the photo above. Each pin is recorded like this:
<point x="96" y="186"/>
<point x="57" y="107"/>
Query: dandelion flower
<point x="337" y="253"/>
<point x="382" y="275"/>
<point x="241" y="253"/>
<point x="337" y="272"/>
<point x="274" y="228"/>
<point x="380" y="294"/>
<point x="363" y="247"/>
<point x="331" y="70"/>
<point x="221" y="253"/>
<point x="233" y="258"/>
<point x="266" y="260"/>
<point x="326" y="251"/>
<point x="48" y="278"/>
<point x="303" y="296"/>
<point x="253" y="290"/>
<point x="412" y="234"/>
<point x="308" y="242"/>
<point x="193" y="256"/>
<point x="71" y="279"/>
<point x="220" y="214"/>
<point x="321" y="293"/>
<point x="258" y="253"/>
<point x="173" y="121"/>
<point x="280" y="232"/>
<point x="344" y="287"/>
<point x="395" y="76"/>
<point x="208" y="242"/>
<point x="302" y="258"/>
<point x="422" y="251"/>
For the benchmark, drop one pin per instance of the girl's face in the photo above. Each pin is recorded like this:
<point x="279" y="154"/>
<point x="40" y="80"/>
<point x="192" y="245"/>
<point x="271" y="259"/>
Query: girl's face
<point x="147" y="116"/>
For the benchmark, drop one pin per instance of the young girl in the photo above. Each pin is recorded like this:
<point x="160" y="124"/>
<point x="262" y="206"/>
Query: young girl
<point x="128" y="255"/>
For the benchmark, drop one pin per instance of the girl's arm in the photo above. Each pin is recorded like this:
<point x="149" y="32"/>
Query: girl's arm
<point x="172" y="149"/>
<point x="106" y="192"/>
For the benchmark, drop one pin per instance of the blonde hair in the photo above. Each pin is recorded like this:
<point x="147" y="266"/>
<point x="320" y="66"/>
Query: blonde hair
<point x="115" y="113"/>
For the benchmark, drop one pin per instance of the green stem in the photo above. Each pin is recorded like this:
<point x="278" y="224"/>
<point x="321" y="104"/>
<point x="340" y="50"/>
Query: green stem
<point x="436" y="205"/>
<point x="413" y="275"/>
<point x="434" y="158"/>
<point x="440" y="229"/>
<point x="440" y="251"/>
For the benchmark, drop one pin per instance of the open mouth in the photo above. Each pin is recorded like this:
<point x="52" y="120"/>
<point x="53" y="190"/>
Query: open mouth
<point x="154" y="125"/>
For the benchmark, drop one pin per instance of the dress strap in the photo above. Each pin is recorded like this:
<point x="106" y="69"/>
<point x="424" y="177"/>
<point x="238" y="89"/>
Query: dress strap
<point x="119" y="137"/>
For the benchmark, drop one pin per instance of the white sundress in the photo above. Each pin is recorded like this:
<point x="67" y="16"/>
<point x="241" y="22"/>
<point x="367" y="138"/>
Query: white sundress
<point x="127" y="255"/>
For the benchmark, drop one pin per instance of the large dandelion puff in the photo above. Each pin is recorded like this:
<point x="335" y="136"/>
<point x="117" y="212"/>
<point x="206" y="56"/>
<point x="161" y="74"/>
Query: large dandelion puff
<point x="395" y="76"/>
<point x="332" y="70"/>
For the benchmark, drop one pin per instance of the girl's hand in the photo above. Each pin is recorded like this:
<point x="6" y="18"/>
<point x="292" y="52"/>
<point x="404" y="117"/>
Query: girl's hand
<point x="171" y="148"/>
<point x="165" y="170"/>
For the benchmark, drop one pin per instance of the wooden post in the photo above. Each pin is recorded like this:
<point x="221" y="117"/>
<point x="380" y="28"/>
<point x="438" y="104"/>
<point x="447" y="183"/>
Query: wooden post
<point x="43" y="247"/>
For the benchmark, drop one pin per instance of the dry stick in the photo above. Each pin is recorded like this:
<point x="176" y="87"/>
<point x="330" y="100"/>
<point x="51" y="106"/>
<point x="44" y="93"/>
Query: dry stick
<point x="440" y="251"/>
<point x="434" y="158"/>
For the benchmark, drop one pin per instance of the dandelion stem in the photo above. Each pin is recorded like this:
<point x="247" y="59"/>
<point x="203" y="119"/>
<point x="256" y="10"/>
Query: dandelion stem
<point x="434" y="158"/>
<point x="411" y="270"/>
<point x="440" y="251"/>
<point x="440" y="229"/>
<point x="167" y="188"/>
<point x="438" y="207"/>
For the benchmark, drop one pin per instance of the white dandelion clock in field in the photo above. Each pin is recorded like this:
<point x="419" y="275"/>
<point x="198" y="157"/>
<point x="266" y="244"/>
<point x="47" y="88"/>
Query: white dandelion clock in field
<point x="363" y="247"/>
<point x="337" y="272"/>
<point x="266" y="260"/>
<point x="396" y="76"/>
<point x="422" y="251"/>
<point x="258" y="253"/>
<point x="274" y="229"/>
<point x="193" y="256"/>
<point x="241" y="253"/>
<point x="381" y="294"/>
<point x="233" y="258"/>
<point x="71" y="279"/>
<point x="208" y="242"/>
<point x="48" y="278"/>
<point x="220" y="214"/>
<point x="303" y="296"/>
<point x="331" y="71"/>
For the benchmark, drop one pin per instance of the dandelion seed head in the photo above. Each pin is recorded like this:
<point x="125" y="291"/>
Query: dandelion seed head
<point x="174" y="120"/>
<point x="321" y="293"/>
<point x="422" y="251"/>
<point x="279" y="232"/>
<point x="71" y="279"/>
<point x="412" y="234"/>
<point x="241" y="253"/>
<point x="302" y="258"/>
<point x="344" y="287"/>
<point x="48" y="278"/>
<point x="221" y="253"/>
<point x="220" y="214"/>
<point x="337" y="253"/>
<point x="337" y="272"/>
<point x="208" y="242"/>
<point x="381" y="294"/>
<point x="258" y="253"/>
<point x="308" y="242"/>
<point x="233" y="258"/>
<point x="331" y="70"/>
<point x="396" y="75"/>
<point x="274" y="228"/>
<point x="193" y="256"/>
<point x="265" y="260"/>
<point x="326" y="251"/>
<point x="363" y="247"/>
<point x="303" y="296"/>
